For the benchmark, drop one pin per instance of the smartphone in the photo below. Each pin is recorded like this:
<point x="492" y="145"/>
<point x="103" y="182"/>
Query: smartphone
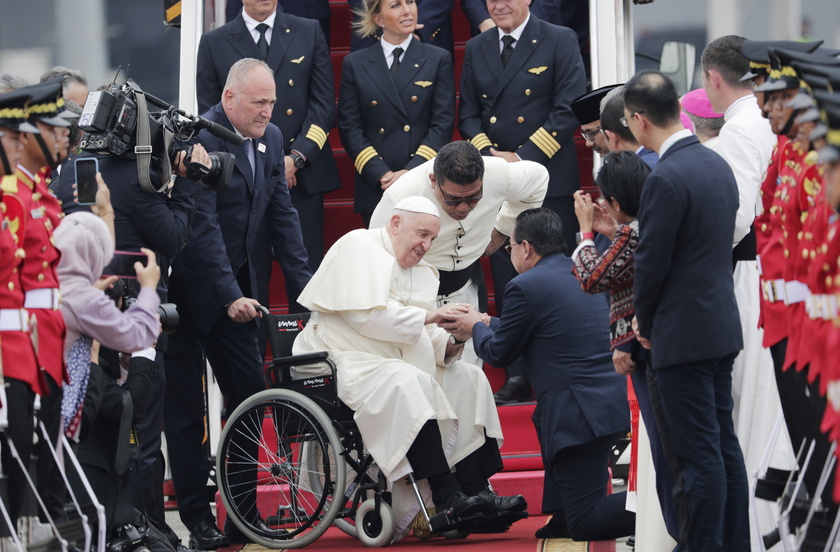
<point x="122" y="264"/>
<point x="86" y="169"/>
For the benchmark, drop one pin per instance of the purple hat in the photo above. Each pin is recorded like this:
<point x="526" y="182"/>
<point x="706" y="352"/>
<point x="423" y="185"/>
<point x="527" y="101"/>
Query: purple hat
<point x="686" y="121"/>
<point x="697" y="103"/>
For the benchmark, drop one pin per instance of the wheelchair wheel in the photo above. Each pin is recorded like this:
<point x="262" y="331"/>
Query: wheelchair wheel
<point x="263" y="447"/>
<point x="315" y="456"/>
<point x="375" y="528"/>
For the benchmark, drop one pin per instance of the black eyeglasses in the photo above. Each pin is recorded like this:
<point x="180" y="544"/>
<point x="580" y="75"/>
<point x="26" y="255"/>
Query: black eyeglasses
<point x="624" y="120"/>
<point x="509" y="247"/>
<point x="590" y="136"/>
<point x="454" y="201"/>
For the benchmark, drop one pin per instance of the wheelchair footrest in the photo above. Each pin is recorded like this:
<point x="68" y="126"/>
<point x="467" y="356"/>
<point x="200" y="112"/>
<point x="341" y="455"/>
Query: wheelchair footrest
<point x="445" y="521"/>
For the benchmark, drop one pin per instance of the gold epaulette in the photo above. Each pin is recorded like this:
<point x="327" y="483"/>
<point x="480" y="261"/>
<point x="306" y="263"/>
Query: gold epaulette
<point x="9" y="184"/>
<point x="811" y="158"/>
<point x="811" y="186"/>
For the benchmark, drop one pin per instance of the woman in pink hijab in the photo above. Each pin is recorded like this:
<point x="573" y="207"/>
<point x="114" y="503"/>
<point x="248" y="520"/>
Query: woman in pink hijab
<point x="87" y="246"/>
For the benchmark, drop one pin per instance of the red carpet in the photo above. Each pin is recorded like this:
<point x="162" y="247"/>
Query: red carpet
<point x="520" y="538"/>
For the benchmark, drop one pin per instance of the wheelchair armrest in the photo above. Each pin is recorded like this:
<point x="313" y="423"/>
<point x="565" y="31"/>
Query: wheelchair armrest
<point x="306" y="358"/>
<point x="281" y="365"/>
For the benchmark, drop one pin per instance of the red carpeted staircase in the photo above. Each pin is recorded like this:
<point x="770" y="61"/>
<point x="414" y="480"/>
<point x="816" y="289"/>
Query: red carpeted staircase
<point x="523" y="472"/>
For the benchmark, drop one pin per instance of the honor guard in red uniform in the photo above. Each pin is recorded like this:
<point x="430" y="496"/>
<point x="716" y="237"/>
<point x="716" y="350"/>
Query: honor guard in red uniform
<point x="20" y="378"/>
<point x="780" y="229"/>
<point x="770" y="240"/>
<point x="829" y="156"/>
<point x="42" y="152"/>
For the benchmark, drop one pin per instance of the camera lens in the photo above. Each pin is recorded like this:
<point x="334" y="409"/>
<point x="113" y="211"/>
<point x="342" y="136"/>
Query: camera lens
<point x="169" y="317"/>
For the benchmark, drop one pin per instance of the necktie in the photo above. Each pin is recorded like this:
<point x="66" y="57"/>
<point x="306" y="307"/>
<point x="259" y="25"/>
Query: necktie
<point x="396" y="63"/>
<point x="507" y="51"/>
<point x="246" y="145"/>
<point x="262" y="43"/>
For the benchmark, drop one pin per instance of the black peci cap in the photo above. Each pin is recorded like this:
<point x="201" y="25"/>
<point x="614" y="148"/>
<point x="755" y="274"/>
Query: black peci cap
<point x="587" y="108"/>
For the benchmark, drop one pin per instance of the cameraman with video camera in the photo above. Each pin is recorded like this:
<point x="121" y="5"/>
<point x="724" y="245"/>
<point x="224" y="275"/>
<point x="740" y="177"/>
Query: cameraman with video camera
<point x="157" y="220"/>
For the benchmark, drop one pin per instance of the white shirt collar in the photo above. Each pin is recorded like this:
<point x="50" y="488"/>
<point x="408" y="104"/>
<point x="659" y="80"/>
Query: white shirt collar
<point x="736" y="106"/>
<point x="673" y="139"/>
<point x="252" y="23"/>
<point x="388" y="48"/>
<point x="516" y="33"/>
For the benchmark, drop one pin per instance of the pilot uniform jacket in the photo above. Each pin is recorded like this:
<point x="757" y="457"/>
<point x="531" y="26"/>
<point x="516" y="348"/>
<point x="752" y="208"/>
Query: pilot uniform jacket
<point x="524" y="107"/>
<point x="305" y="109"/>
<point x="390" y="123"/>
<point x="683" y="289"/>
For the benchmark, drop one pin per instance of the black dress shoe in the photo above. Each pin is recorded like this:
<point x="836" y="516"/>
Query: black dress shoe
<point x="235" y="535"/>
<point x="499" y="504"/>
<point x="555" y="528"/>
<point x="462" y="505"/>
<point x="516" y="389"/>
<point x="206" y="536"/>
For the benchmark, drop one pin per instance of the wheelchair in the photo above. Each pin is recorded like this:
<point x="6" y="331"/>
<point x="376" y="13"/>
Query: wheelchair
<point x="300" y="445"/>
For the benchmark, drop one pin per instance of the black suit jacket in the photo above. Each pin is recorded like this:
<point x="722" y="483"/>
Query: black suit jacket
<point x="228" y="225"/>
<point x="563" y="335"/>
<point x="305" y="109"/>
<point x="390" y="123"/>
<point x="684" y="292"/>
<point x="524" y="107"/>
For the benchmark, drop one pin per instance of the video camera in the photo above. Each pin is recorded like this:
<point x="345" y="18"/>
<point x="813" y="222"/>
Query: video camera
<point x="118" y="122"/>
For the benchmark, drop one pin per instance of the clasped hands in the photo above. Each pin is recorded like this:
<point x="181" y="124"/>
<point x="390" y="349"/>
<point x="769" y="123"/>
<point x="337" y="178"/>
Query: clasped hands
<point x="457" y="319"/>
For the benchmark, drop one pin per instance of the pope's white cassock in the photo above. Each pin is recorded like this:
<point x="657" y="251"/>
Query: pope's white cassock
<point x="368" y="312"/>
<point x="508" y="189"/>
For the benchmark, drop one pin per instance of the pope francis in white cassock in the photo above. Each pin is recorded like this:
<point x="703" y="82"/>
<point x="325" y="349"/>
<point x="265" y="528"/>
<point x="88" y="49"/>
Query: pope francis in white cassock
<point x="372" y="303"/>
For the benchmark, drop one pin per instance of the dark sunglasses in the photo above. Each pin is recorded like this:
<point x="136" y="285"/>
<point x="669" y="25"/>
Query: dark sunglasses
<point x="454" y="201"/>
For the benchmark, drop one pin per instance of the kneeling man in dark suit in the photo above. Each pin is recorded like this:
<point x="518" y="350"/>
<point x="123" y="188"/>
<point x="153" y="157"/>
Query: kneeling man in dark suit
<point x="563" y="335"/>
